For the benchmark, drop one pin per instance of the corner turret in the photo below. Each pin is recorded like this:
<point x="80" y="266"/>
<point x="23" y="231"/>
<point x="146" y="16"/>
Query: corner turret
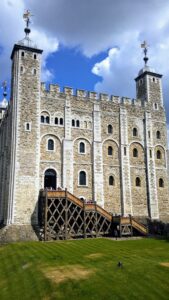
<point x="148" y="83"/>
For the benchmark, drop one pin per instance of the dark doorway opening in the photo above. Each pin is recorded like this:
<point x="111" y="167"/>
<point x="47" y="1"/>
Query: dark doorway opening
<point x="50" y="179"/>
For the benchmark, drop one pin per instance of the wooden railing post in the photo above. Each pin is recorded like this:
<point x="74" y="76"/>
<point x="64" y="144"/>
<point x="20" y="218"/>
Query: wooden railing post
<point x="131" y="225"/>
<point x="96" y="220"/>
<point x="66" y="212"/>
<point x="84" y="219"/>
<point x="45" y="225"/>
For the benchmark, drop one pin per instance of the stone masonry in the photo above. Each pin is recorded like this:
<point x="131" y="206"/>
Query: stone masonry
<point x="108" y="149"/>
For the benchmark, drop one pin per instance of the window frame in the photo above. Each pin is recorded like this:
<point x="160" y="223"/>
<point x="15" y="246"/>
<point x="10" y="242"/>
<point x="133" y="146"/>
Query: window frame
<point x="50" y="139"/>
<point x="82" y="142"/>
<point x="111" y="177"/>
<point x="79" y="179"/>
<point x="109" y="129"/>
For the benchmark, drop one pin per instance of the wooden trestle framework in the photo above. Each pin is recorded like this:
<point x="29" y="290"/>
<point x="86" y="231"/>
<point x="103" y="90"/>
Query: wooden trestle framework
<point x="64" y="216"/>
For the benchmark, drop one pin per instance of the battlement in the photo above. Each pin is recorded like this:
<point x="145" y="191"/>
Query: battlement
<point x="79" y="94"/>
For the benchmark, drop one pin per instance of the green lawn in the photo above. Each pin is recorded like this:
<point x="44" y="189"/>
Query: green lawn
<point x="85" y="269"/>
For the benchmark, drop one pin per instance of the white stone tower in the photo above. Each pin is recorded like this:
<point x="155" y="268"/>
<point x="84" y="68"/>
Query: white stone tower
<point x="25" y="106"/>
<point x="149" y="90"/>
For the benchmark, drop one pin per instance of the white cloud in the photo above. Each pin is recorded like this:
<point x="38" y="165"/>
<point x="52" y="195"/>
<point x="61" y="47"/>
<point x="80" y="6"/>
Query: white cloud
<point x="12" y="30"/>
<point x="94" y="26"/>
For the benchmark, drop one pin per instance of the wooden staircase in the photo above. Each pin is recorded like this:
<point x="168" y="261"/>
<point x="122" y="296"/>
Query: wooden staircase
<point x="126" y="225"/>
<point x="63" y="216"/>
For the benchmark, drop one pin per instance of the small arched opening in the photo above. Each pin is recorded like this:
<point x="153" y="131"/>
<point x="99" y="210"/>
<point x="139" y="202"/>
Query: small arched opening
<point x="50" y="179"/>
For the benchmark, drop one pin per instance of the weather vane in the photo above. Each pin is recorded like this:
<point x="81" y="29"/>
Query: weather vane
<point x="145" y="46"/>
<point x="26" y="16"/>
<point x="4" y="86"/>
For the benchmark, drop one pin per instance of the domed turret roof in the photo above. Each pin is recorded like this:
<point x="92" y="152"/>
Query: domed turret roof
<point x="146" y="69"/>
<point x="4" y="103"/>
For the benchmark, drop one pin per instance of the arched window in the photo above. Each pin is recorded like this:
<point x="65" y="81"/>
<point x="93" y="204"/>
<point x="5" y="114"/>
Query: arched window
<point x="85" y="124"/>
<point x="135" y="132"/>
<point x="82" y="178"/>
<point x="110" y="150"/>
<point x="47" y="120"/>
<point x="77" y="123"/>
<point x="90" y="124"/>
<point x="42" y="119"/>
<point x="155" y="106"/>
<point x="73" y="123"/>
<point x="138" y="181"/>
<point x="158" y="154"/>
<point x="158" y="134"/>
<point x="111" y="180"/>
<point x="50" y="144"/>
<point x="61" y="121"/>
<point x="82" y="147"/>
<point x="34" y="71"/>
<point x="161" y="182"/>
<point x="56" y="120"/>
<point x="135" y="152"/>
<point x="110" y="128"/>
<point x="34" y="56"/>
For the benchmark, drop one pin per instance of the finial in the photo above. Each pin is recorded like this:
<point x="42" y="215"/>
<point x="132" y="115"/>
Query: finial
<point x="145" y="46"/>
<point x="4" y="85"/>
<point x="26" y="16"/>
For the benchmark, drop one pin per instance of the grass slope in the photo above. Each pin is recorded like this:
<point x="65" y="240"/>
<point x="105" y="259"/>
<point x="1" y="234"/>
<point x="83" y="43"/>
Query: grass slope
<point x="85" y="269"/>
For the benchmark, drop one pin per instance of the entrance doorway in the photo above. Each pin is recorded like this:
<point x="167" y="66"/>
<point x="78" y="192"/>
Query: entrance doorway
<point x="50" y="179"/>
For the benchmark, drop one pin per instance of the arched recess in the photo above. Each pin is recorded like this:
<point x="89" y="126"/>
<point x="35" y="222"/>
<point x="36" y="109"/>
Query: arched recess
<point x="160" y="155"/>
<point x="56" y="153"/>
<point x="110" y="152"/>
<point x="137" y="155"/>
<point x="50" y="179"/>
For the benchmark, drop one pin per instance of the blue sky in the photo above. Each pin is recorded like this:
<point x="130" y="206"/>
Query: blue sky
<point x="90" y="44"/>
<point x="71" y="68"/>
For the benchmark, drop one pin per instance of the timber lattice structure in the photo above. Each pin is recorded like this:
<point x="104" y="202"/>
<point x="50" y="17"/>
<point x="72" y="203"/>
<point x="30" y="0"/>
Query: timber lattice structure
<point x="64" y="216"/>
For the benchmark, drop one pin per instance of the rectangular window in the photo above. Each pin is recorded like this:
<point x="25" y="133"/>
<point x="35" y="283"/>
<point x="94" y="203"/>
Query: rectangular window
<point x="150" y="154"/>
<point x="125" y="151"/>
<point x="28" y="126"/>
<point x="149" y="134"/>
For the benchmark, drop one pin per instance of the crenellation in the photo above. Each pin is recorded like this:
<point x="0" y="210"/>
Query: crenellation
<point x="81" y="93"/>
<point x="104" y="97"/>
<point x="68" y="91"/>
<point x="54" y="88"/>
<point x="115" y="99"/>
<point x="93" y="95"/>
<point x="125" y="100"/>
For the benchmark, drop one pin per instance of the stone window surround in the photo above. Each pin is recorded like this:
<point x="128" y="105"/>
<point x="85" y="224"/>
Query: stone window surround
<point x="110" y="150"/>
<point x="156" y="106"/>
<point x="30" y="126"/>
<point x="54" y="146"/>
<point x="135" y="152"/>
<point x="82" y="153"/>
<point x="59" y="117"/>
<point x="161" y="183"/>
<point x="135" y="131"/>
<point x="138" y="182"/>
<point x="158" y="154"/>
<point x="158" y="134"/>
<point x="109" y="129"/>
<point x="45" y="114"/>
<point x="79" y="185"/>
<point x="75" y="123"/>
<point x="111" y="175"/>
<point x="82" y="198"/>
